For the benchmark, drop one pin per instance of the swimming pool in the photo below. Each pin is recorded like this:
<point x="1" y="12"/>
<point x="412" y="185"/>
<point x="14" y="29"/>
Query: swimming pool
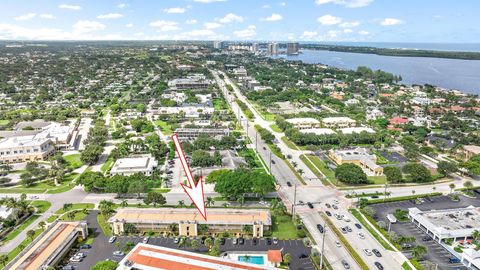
<point x="252" y="259"/>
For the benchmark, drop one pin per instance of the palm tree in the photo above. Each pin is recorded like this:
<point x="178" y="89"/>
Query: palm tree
<point x="300" y="171"/>
<point x="67" y="206"/>
<point x="106" y="207"/>
<point x="181" y="203"/>
<point x="71" y="215"/>
<point x="468" y="185"/>
<point x="31" y="234"/>
<point x="124" y="203"/>
<point x="42" y="224"/>
<point x="194" y="244"/>
<point x="3" y="259"/>
<point x="294" y="164"/>
<point x="208" y="242"/>
<point x="451" y="186"/>
<point x="287" y="258"/>
<point x="476" y="235"/>
<point x="210" y="201"/>
<point x="419" y="251"/>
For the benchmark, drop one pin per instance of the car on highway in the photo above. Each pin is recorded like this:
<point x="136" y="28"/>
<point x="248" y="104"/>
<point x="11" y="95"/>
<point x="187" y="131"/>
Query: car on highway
<point x="368" y="252"/>
<point x="320" y="228"/>
<point x="344" y="230"/>
<point x="345" y="264"/>
<point x="334" y="207"/>
<point x="118" y="253"/>
<point x="376" y="252"/>
<point x="112" y="239"/>
<point x="310" y="205"/>
<point x="289" y="183"/>
<point x="347" y="219"/>
<point x="379" y="266"/>
<point x="328" y="205"/>
<point x="328" y="213"/>
<point x="361" y="235"/>
<point x="358" y="226"/>
<point x="337" y="243"/>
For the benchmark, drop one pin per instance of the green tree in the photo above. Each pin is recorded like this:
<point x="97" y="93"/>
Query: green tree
<point x="452" y="187"/>
<point x="417" y="173"/>
<point x="445" y="167"/>
<point x="287" y="258"/>
<point x="30" y="234"/>
<point x="393" y="174"/>
<point x="42" y="224"/>
<point x="106" y="207"/>
<point x="3" y="259"/>
<point x="154" y="198"/>
<point x="105" y="265"/>
<point x="350" y="173"/>
<point x="194" y="244"/>
<point x="419" y="251"/>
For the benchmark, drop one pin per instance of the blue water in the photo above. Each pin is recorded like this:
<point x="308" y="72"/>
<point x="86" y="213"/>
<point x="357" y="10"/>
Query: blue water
<point x="463" y="47"/>
<point x="462" y="75"/>
<point x="252" y="259"/>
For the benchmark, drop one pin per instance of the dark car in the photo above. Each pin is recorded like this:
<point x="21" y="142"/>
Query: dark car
<point x="222" y="241"/>
<point x="320" y="228"/>
<point x="345" y="264"/>
<point x="310" y="205"/>
<point x="85" y="246"/>
<point x="273" y="161"/>
<point x="454" y="260"/>
<point x="68" y="267"/>
<point x="344" y="230"/>
<point x="264" y="148"/>
<point x="241" y="241"/>
<point x="268" y="241"/>
<point x="303" y="256"/>
<point x="254" y="241"/>
<point x="289" y="184"/>
<point x="379" y="266"/>
<point x="328" y="205"/>
<point x="328" y="213"/>
<point x="358" y="225"/>
<point x="427" y="238"/>
<point x="334" y="206"/>
<point x="376" y="252"/>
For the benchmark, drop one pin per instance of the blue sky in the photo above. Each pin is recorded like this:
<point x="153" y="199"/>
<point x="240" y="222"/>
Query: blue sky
<point x="302" y="20"/>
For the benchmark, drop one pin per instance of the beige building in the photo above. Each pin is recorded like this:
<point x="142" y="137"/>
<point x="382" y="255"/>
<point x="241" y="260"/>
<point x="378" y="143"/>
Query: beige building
<point x="467" y="151"/>
<point x="358" y="156"/>
<point x="338" y="122"/>
<point x="144" y="164"/>
<point x="304" y="123"/>
<point x="25" y="148"/>
<point x="190" y="222"/>
<point x="50" y="247"/>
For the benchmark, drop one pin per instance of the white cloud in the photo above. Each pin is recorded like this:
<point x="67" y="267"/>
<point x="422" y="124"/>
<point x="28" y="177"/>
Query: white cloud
<point x="122" y="5"/>
<point x="191" y="21"/>
<point x="346" y="3"/>
<point x="249" y="32"/>
<point x="84" y="26"/>
<point x="212" y="25"/>
<point x="165" y="26"/>
<point x="363" y="32"/>
<point x="349" y="24"/>
<point x="332" y="34"/>
<point x="47" y="16"/>
<point x="266" y="6"/>
<point x="273" y="18"/>
<point x="25" y="17"/>
<point x="329" y="20"/>
<point x="282" y="4"/>
<point x="208" y="1"/>
<point x="72" y="7"/>
<point x="194" y="34"/>
<point x="110" y="16"/>
<point x="391" y="21"/>
<point x="309" y="35"/>
<point x="175" y="10"/>
<point x="139" y="34"/>
<point x="129" y="25"/>
<point x="347" y="30"/>
<point x="230" y="18"/>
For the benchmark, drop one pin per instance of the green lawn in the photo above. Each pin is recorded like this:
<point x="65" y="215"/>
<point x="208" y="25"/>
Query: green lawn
<point x="289" y="143"/>
<point x="43" y="187"/>
<point x="283" y="227"/>
<point x="314" y="169"/>
<point x="22" y="245"/>
<point x="378" y="180"/>
<point x="4" y="122"/>
<point x="42" y="206"/>
<point x="320" y="165"/>
<point x="52" y="218"/>
<point x="104" y="225"/>
<point x="20" y="228"/>
<point x="364" y="223"/>
<point x="73" y="161"/>
<point x="275" y="128"/>
<point x="79" y="215"/>
<point x="219" y="104"/>
<point x="76" y="206"/>
<point x="165" y="127"/>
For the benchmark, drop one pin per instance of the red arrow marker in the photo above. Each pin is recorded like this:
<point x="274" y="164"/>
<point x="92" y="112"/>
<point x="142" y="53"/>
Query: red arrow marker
<point x="193" y="190"/>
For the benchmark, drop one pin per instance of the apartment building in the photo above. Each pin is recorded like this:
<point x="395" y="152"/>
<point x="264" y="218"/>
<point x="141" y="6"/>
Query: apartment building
<point x="25" y="148"/>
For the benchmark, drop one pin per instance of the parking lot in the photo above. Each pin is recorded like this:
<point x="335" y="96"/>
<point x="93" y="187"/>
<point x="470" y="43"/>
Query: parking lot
<point x="102" y="250"/>
<point x="436" y="253"/>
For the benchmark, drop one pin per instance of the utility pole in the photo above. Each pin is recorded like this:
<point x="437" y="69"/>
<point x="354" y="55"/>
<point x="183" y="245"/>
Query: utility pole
<point x="256" y="140"/>
<point x="270" y="161"/>
<point x="294" y="202"/>
<point x="323" y="244"/>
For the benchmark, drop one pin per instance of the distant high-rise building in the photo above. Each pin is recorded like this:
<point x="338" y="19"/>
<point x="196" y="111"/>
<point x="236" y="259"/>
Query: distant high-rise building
<point x="292" y="48"/>
<point x="272" y="48"/>
<point x="218" y="45"/>
<point x="255" y="47"/>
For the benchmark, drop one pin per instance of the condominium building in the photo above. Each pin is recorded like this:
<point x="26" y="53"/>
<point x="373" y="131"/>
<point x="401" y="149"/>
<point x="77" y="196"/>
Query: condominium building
<point x="292" y="48"/>
<point x="218" y="45"/>
<point x="304" y="123"/>
<point x="191" y="134"/>
<point x="338" y="122"/>
<point x="188" y="83"/>
<point x="272" y="48"/>
<point x="189" y="221"/>
<point x="144" y="164"/>
<point x="468" y="151"/>
<point x="25" y="148"/>
<point x="152" y="257"/>
<point x="49" y="248"/>
<point x="357" y="156"/>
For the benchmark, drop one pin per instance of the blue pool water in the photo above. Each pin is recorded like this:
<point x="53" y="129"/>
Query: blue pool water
<point x="252" y="259"/>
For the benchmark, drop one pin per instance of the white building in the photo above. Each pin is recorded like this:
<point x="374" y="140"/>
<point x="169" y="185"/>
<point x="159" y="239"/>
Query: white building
<point x="141" y="164"/>
<point x="318" y="131"/>
<point x="338" y="122"/>
<point x="304" y="123"/>
<point x="25" y="148"/>
<point x="374" y="114"/>
<point x="352" y="130"/>
<point x="189" y="111"/>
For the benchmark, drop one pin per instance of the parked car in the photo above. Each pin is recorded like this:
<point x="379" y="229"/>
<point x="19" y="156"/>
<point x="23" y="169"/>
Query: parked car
<point x="334" y="207"/>
<point x="81" y="255"/>
<point x="376" y="252"/>
<point x="348" y="228"/>
<point x="254" y="241"/>
<point x="344" y="230"/>
<point x="275" y="241"/>
<point x="268" y="241"/>
<point x="454" y="260"/>
<point x="241" y="241"/>
<point x="347" y="219"/>
<point x="358" y="226"/>
<point x="345" y="264"/>
<point x="328" y="205"/>
<point x="112" y="239"/>
<point x="379" y="266"/>
<point x="427" y="238"/>
<point x="368" y="252"/>
<point x="145" y="240"/>
<point x="235" y="241"/>
<point x="176" y="240"/>
<point x="85" y="246"/>
<point x="76" y="259"/>
<point x="118" y="253"/>
<point x="68" y="267"/>
<point x="303" y="256"/>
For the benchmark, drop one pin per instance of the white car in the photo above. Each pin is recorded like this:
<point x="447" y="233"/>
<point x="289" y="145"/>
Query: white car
<point x="361" y="235"/>
<point x="335" y="201"/>
<point x="346" y="219"/>
<point x="368" y="252"/>
<point x="76" y="259"/>
<point x="145" y="240"/>
<point x="112" y="239"/>
<point x="337" y="243"/>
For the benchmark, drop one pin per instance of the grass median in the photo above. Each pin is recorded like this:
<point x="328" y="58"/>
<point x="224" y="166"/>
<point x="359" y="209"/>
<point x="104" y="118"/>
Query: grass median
<point x="371" y="230"/>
